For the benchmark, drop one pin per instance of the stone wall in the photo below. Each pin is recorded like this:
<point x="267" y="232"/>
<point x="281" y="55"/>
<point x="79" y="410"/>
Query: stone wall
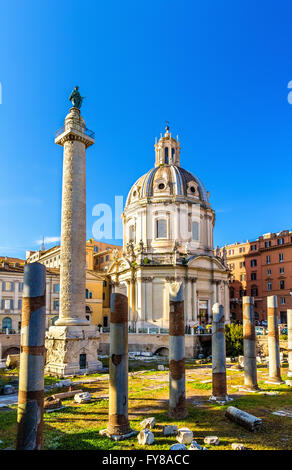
<point x="262" y="345"/>
<point x="158" y="343"/>
<point x="9" y="344"/>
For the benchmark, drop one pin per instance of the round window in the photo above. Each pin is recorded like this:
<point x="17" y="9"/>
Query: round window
<point x="192" y="189"/>
<point x="161" y="186"/>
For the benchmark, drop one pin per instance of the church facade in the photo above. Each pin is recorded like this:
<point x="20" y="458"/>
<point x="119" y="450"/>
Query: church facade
<point x="168" y="236"/>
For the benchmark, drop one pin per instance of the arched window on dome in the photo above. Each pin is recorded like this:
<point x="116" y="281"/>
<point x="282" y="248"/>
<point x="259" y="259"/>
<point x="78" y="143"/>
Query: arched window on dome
<point x="132" y="233"/>
<point x="173" y="154"/>
<point x="195" y="231"/>
<point x="161" y="228"/>
<point x="166" y="155"/>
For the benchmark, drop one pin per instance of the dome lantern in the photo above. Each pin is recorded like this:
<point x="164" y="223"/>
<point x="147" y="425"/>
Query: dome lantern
<point x="167" y="150"/>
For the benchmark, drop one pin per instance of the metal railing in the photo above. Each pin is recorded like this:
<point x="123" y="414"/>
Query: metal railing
<point x="82" y="130"/>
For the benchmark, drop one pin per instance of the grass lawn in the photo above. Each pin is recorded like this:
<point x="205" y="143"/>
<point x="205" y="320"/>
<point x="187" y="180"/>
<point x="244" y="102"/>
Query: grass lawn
<point x="77" y="426"/>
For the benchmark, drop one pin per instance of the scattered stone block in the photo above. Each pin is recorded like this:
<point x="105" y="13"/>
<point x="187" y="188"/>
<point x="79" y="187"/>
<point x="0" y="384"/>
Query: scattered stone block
<point x="195" y="446"/>
<point x="289" y="383"/>
<point x="160" y="367"/>
<point x="8" y="389"/>
<point x="64" y="383"/>
<point x="178" y="447"/>
<point x="84" y="397"/>
<point x="145" y="437"/>
<point x="237" y="446"/>
<point x="148" y="423"/>
<point x="184" y="436"/>
<point x="212" y="440"/>
<point x="170" y="430"/>
<point x="51" y="403"/>
<point x="13" y="361"/>
<point x="66" y="394"/>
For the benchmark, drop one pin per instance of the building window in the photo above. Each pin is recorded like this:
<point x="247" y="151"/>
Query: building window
<point x="242" y="277"/>
<point x="242" y="264"/>
<point x="282" y="284"/>
<point x="7" y="304"/>
<point x="8" y="286"/>
<point x="254" y="291"/>
<point x="56" y="305"/>
<point x="6" y="323"/>
<point x="195" y="231"/>
<point x="166" y="155"/>
<point x="107" y="258"/>
<point x="96" y="249"/>
<point x="281" y="270"/>
<point x="103" y="296"/>
<point x="56" y="288"/>
<point x="19" y="304"/>
<point x="253" y="276"/>
<point x="283" y="301"/>
<point x="281" y="257"/>
<point x="104" y="284"/>
<point x="132" y="233"/>
<point x="105" y="322"/>
<point x="231" y="252"/>
<point x="20" y="288"/>
<point x="269" y="286"/>
<point x="268" y="259"/>
<point x="101" y="259"/>
<point x="242" y="293"/>
<point x="269" y="272"/>
<point x="267" y="244"/>
<point x="161" y="228"/>
<point x="253" y="263"/>
<point x="253" y="247"/>
<point x="280" y="241"/>
<point x="242" y="249"/>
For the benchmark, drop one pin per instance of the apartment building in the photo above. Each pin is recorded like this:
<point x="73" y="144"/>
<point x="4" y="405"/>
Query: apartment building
<point x="261" y="268"/>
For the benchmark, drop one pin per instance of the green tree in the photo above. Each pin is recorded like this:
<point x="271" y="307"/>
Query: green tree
<point x="234" y="340"/>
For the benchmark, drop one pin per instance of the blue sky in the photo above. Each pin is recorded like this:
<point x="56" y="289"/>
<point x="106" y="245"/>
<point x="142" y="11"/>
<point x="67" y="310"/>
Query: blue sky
<point x="217" y="71"/>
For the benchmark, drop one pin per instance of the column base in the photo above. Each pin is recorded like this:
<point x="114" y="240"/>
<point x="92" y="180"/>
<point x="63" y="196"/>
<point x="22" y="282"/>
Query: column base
<point x="274" y="381"/>
<point x="72" y="350"/>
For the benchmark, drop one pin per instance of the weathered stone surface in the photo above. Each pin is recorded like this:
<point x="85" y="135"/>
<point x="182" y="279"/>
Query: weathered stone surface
<point x="51" y="403"/>
<point x="64" y="383"/>
<point x="84" y="397"/>
<point x="178" y="447"/>
<point x="184" y="436"/>
<point x="160" y="367"/>
<point x="237" y="446"/>
<point x="195" y="446"/>
<point x="212" y="440"/>
<point x="145" y="437"/>
<point x="8" y="389"/>
<point x="148" y="423"/>
<point x="248" y="421"/>
<point x="67" y="394"/>
<point x="170" y="430"/>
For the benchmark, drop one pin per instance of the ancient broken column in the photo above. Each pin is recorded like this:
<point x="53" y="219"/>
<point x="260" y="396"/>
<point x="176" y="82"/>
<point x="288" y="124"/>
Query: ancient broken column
<point x="177" y="387"/>
<point x="118" y="423"/>
<point x="249" y="344"/>
<point x="289" y="325"/>
<point x="273" y="341"/>
<point x="219" y="387"/>
<point x="72" y="343"/>
<point x="32" y="359"/>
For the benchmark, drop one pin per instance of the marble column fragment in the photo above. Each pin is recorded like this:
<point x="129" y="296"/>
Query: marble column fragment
<point x="32" y="359"/>
<point x="273" y="341"/>
<point x="118" y="423"/>
<point x="249" y="344"/>
<point x="177" y="386"/>
<point x="219" y="387"/>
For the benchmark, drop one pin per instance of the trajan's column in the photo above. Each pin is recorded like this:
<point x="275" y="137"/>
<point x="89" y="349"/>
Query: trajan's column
<point x="72" y="343"/>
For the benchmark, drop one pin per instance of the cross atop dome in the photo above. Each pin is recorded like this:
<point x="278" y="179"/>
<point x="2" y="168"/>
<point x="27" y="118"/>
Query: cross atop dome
<point x="167" y="149"/>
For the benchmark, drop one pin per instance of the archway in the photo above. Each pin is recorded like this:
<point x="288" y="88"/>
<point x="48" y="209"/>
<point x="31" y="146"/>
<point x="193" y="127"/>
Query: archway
<point x="163" y="351"/>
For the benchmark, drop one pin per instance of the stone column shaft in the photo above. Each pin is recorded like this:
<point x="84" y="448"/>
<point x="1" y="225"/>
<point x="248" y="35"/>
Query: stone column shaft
<point x="219" y="387"/>
<point x="249" y="343"/>
<point x="273" y="340"/>
<point x="177" y="386"/>
<point x="118" y="423"/>
<point x="32" y="359"/>
<point x="289" y="325"/>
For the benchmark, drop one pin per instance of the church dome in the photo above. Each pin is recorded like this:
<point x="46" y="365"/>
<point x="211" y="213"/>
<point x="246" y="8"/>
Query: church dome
<point x="168" y="179"/>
